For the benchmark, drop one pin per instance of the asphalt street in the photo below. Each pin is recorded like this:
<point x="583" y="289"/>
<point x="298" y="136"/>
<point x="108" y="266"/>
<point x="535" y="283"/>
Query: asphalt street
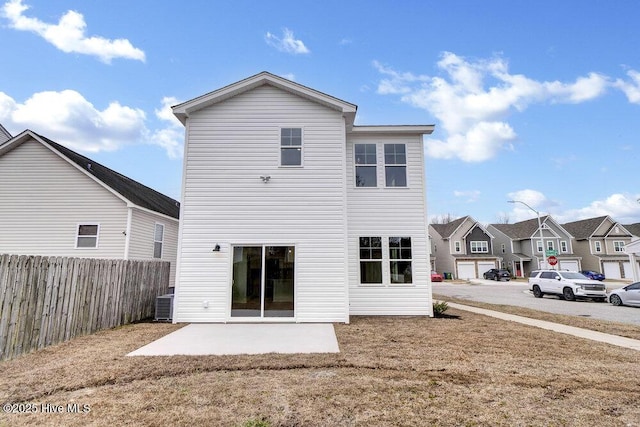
<point x="517" y="294"/>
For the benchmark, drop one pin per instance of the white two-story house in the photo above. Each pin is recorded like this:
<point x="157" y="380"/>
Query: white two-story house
<point x="292" y="213"/>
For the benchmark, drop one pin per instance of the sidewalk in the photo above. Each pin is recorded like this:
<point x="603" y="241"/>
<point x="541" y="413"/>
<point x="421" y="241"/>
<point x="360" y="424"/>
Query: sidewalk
<point x="556" y="327"/>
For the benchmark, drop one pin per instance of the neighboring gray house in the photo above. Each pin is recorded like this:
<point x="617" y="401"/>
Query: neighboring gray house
<point x="292" y="213"/>
<point x="463" y="247"/>
<point x="634" y="229"/>
<point x="522" y="249"/>
<point x="56" y="202"/>
<point x="4" y="135"/>
<point x="600" y="242"/>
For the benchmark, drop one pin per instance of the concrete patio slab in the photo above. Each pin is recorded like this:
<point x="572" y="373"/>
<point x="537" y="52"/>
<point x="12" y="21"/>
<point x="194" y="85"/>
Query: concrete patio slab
<point x="198" y="339"/>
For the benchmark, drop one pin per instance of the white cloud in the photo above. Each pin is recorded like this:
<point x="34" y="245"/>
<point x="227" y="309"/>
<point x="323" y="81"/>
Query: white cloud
<point x="69" y="34"/>
<point x="469" y="195"/>
<point x="288" y="43"/>
<point x="631" y="89"/>
<point x="472" y="99"/>
<point x="68" y="118"/>
<point x="623" y="208"/>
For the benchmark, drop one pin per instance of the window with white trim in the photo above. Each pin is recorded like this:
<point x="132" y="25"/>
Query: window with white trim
<point x="395" y="165"/>
<point x="479" y="246"/>
<point x="563" y="246"/>
<point x="291" y="147"/>
<point x="158" y="240"/>
<point x="370" y="260"/>
<point x="597" y="247"/>
<point x="456" y="246"/>
<point x="618" y="246"/>
<point x="539" y="245"/>
<point x="550" y="245"/>
<point x="87" y="236"/>
<point x="400" y="259"/>
<point x="366" y="169"/>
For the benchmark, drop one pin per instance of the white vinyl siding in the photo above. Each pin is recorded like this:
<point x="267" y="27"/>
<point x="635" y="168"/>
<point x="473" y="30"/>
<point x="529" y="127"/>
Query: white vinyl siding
<point x="142" y="240"/>
<point x="225" y="202"/>
<point x="44" y="199"/>
<point x="389" y="212"/>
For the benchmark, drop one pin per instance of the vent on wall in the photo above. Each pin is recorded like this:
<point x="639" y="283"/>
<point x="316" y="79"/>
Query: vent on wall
<point x="164" y="307"/>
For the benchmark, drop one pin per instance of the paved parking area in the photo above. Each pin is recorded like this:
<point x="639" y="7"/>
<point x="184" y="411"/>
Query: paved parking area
<point x="517" y="294"/>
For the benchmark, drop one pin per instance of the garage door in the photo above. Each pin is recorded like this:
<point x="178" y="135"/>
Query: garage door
<point x="628" y="274"/>
<point x="485" y="266"/>
<point x="569" y="265"/>
<point x="611" y="270"/>
<point x="466" y="270"/>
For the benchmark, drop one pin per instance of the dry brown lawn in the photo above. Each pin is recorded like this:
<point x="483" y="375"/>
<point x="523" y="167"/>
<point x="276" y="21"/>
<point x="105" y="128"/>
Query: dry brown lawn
<point x="392" y="371"/>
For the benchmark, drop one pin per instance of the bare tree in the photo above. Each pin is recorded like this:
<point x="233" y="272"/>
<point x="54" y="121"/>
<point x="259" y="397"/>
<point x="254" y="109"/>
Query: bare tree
<point x="503" y="218"/>
<point x="443" y="219"/>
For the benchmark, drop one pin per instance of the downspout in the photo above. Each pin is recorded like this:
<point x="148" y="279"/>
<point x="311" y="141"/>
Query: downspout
<point x="127" y="233"/>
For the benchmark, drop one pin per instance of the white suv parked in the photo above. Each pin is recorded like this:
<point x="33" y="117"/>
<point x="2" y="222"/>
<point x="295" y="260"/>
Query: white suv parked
<point x="566" y="284"/>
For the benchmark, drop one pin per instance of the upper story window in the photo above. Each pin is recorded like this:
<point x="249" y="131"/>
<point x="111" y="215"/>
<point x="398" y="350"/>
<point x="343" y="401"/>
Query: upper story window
<point x="618" y="246"/>
<point x="550" y="245"/>
<point x="480" y="246"/>
<point x="158" y="240"/>
<point x="291" y="147"/>
<point x="395" y="165"/>
<point x="503" y="247"/>
<point x="597" y="247"/>
<point x="456" y="246"/>
<point x="366" y="170"/>
<point x="539" y="245"/>
<point x="87" y="236"/>
<point x="563" y="246"/>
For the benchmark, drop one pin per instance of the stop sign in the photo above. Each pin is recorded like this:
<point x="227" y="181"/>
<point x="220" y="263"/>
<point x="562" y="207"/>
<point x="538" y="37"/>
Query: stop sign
<point x="552" y="260"/>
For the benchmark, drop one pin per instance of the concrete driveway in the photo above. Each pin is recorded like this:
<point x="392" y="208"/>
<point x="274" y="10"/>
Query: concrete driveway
<point x="517" y="294"/>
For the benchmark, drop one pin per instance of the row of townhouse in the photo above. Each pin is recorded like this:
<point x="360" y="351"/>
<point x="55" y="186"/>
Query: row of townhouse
<point x="290" y="211"/>
<point x="467" y="248"/>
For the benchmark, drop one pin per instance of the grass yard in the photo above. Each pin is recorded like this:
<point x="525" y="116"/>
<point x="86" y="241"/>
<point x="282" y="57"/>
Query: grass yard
<point x="467" y="371"/>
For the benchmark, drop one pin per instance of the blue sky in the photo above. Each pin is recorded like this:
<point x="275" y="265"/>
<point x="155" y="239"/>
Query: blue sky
<point x="534" y="101"/>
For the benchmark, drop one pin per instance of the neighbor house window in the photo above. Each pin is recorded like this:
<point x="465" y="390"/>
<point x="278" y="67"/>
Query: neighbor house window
<point x="291" y="147"/>
<point x="395" y="165"/>
<point x="87" y="236"/>
<point x="481" y="246"/>
<point x="618" y="246"/>
<point x="371" y="260"/>
<point x="366" y="171"/>
<point x="597" y="247"/>
<point x="539" y="245"/>
<point x="400" y="259"/>
<point x="158" y="239"/>
<point x="503" y="247"/>
<point x="550" y="245"/>
<point x="456" y="246"/>
<point x="563" y="246"/>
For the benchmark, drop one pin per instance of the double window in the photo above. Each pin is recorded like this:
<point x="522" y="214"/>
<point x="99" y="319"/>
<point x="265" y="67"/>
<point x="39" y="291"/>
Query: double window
<point x="618" y="246"/>
<point x="87" y="236"/>
<point x="366" y="165"/>
<point x="399" y="258"/>
<point x="291" y="147"/>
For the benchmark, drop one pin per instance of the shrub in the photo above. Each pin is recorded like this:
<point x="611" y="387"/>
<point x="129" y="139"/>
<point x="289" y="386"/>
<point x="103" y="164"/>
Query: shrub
<point x="439" y="308"/>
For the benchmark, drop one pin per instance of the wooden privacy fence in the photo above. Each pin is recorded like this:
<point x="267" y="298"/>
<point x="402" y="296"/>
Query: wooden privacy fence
<point x="47" y="300"/>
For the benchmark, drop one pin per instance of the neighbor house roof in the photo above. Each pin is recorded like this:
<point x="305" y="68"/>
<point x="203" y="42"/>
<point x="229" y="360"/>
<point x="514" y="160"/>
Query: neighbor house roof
<point x="584" y="228"/>
<point x="182" y="111"/>
<point x="4" y="134"/>
<point x="131" y="190"/>
<point x="447" y="230"/>
<point x="634" y="229"/>
<point x="520" y="230"/>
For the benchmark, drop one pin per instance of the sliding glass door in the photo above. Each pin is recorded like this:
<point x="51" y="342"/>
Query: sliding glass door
<point x="263" y="281"/>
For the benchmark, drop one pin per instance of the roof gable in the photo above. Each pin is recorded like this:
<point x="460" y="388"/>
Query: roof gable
<point x="182" y="111"/>
<point x="4" y="134"/>
<point x="448" y="229"/>
<point x="586" y="228"/>
<point x="129" y="189"/>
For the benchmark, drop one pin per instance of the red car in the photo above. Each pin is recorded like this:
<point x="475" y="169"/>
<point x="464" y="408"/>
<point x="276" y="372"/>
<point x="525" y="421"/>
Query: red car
<point x="436" y="277"/>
